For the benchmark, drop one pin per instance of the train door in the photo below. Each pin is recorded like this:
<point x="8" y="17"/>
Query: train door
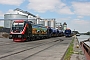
<point x="29" y="31"/>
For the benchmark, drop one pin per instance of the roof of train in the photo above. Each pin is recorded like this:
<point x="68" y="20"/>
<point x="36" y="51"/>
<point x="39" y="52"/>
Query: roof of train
<point x="19" y="21"/>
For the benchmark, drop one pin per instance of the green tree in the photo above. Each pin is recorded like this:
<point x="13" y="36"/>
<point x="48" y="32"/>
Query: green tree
<point x="88" y="33"/>
<point x="75" y="32"/>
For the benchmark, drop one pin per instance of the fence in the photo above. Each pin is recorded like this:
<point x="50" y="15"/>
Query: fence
<point x="7" y="30"/>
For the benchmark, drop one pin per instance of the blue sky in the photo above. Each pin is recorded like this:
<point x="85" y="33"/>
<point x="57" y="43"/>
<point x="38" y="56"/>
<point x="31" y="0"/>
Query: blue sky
<point x="76" y="13"/>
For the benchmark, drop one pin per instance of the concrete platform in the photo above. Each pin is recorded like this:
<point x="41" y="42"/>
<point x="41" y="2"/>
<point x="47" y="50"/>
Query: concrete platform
<point x="78" y="53"/>
<point x="55" y="52"/>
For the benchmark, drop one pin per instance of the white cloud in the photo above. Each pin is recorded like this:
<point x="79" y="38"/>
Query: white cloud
<point x="65" y="10"/>
<point x="63" y="19"/>
<point x="11" y="2"/>
<point x="49" y="5"/>
<point x="81" y="8"/>
<point x="80" y="16"/>
<point x="76" y="0"/>
<point x="42" y="5"/>
<point x="81" y="22"/>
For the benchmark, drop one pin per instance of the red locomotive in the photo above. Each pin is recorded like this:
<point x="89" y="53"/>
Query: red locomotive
<point x="22" y="30"/>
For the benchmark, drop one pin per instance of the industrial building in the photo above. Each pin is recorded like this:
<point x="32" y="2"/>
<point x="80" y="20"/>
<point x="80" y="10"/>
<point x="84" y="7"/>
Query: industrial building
<point x="25" y="15"/>
<point x="61" y="26"/>
<point x="16" y="14"/>
<point x="48" y="22"/>
<point x="64" y="26"/>
<point x="8" y="19"/>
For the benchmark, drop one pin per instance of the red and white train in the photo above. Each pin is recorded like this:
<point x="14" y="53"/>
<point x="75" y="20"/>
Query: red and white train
<point x="22" y="30"/>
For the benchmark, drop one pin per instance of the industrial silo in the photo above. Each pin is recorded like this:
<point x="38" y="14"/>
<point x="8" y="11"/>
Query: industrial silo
<point x="53" y="22"/>
<point x="46" y="22"/>
<point x="8" y="19"/>
<point x="49" y="23"/>
<point x="42" y="22"/>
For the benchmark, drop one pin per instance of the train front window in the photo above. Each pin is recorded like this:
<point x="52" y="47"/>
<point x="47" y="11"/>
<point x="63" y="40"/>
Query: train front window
<point x="18" y="26"/>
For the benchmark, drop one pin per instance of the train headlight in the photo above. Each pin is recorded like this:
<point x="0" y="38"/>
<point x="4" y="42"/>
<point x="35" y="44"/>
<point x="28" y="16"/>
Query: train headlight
<point x="21" y="31"/>
<point x="19" y="36"/>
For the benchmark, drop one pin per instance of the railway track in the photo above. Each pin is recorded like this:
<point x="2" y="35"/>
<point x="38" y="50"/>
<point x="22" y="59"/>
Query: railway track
<point x="40" y="51"/>
<point x="3" y="43"/>
<point x="40" y="44"/>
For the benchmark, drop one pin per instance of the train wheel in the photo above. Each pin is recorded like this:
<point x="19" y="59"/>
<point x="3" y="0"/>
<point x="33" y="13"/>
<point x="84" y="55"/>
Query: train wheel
<point x="40" y="38"/>
<point x="34" y="38"/>
<point x="28" y="39"/>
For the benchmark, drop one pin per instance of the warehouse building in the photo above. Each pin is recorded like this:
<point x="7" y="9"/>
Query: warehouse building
<point x="16" y="14"/>
<point x="25" y="15"/>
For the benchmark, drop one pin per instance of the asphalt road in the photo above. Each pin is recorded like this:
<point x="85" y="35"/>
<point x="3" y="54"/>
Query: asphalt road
<point x="46" y="49"/>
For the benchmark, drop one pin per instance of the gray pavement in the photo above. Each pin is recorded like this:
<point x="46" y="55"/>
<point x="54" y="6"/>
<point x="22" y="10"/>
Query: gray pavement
<point x="78" y="53"/>
<point x="50" y="51"/>
<point x="54" y="53"/>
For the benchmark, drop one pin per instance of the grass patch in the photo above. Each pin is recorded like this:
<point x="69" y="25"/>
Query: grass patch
<point x="69" y="51"/>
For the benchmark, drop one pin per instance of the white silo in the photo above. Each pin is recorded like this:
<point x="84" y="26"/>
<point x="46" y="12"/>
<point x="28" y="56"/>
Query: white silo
<point x="8" y="18"/>
<point x="53" y="22"/>
<point x="46" y="22"/>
